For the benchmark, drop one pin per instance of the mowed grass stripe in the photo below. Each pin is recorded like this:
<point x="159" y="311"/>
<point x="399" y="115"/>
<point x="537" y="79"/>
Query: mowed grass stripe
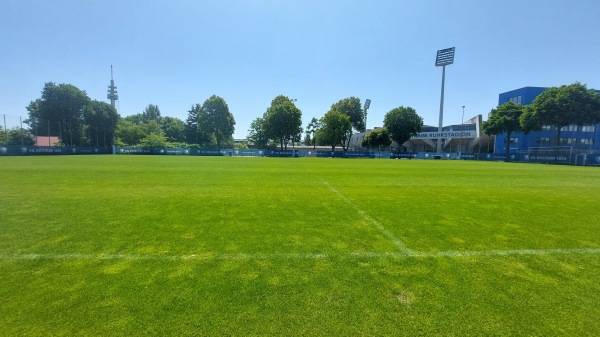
<point x="283" y="256"/>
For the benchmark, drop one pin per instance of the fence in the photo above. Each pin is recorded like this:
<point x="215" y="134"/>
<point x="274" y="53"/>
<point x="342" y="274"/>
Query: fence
<point x="572" y="157"/>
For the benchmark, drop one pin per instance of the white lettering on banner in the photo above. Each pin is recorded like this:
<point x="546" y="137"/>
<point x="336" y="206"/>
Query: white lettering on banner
<point x="444" y="134"/>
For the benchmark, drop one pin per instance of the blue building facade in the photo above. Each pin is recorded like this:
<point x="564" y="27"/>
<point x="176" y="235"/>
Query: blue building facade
<point x="580" y="138"/>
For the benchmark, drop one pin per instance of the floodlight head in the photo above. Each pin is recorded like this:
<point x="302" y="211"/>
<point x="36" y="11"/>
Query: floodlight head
<point x="444" y="57"/>
<point x="367" y="104"/>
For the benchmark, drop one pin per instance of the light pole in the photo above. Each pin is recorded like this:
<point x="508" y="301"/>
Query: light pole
<point x="462" y="129"/>
<point x="293" y="136"/>
<point x="444" y="57"/>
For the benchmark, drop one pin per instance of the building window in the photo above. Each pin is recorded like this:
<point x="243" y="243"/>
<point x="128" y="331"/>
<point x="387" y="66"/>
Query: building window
<point x="516" y="99"/>
<point x="587" y="141"/>
<point x="543" y="140"/>
<point x="569" y="128"/>
<point x="588" y="128"/>
<point x="567" y="141"/>
<point x="514" y="140"/>
<point x="547" y="128"/>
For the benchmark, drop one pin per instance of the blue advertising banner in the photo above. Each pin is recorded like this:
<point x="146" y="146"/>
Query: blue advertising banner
<point x="17" y="150"/>
<point x="403" y="155"/>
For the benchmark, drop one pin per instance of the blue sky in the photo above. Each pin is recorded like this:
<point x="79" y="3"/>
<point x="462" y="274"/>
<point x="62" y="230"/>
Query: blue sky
<point x="178" y="53"/>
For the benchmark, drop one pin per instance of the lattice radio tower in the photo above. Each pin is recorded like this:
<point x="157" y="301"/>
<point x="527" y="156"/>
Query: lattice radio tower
<point x="112" y="89"/>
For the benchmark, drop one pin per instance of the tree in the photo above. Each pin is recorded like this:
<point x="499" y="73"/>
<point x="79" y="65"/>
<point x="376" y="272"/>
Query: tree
<point x="376" y="138"/>
<point x="334" y="128"/>
<point x="101" y="121"/>
<point x="191" y="124"/>
<point x="504" y="119"/>
<point x="352" y="108"/>
<point x="257" y="133"/>
<point x="311" y="130"/>
<point x="283" y="121"/>
<point x="565" y="105"/>
<point x="128" y="133"/>
<point x="173" y="128"/>
<point x="151" y="113"/>
<point x="217" y="120"/>
<point x="154" y="140"/>
<point x="16" y="136"/>
<point x="59" y="112"/>
<point x="402" y="123"/>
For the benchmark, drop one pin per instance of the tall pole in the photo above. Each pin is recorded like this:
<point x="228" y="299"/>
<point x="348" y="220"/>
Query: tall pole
<point x="444" y="57"/>
<point x="462" y="129"/>
<point x="5" y="132"/>
<point x="441" y="122"/>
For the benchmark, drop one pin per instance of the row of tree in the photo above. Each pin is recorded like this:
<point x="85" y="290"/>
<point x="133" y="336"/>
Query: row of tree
<point x="282" y="121"/>
<point x="67" y="112"/>
<point x="557" y="107"/>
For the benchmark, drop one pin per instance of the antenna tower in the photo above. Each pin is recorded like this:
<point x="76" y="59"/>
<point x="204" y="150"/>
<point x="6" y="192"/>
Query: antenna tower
<point x="112" y="89"/>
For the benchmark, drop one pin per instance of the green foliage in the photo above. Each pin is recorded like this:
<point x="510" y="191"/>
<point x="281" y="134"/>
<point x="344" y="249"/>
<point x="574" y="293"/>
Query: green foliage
<point x="191" y="124"/>
<point x="59" y="112"/>
<point x="257" y="134"/>
<point x="216" y="121"/>
<point x="151" y="113"/>
<point x="504" y="119"/>
<point x="173" y="128"/>
<point x="283" y="121"/>
<point x="402" y="123"/>
<point x="101" y="121"/>
<point x="154" y="140"/>
<point x="311" y="130"/>
<point x="128" y="133"/>
<point x="352" y="108"/>
<point x="334" y="128"/>
<point x="16" y="136"/>
<point x="376" y="138"/>
<point x="565" y="105"/>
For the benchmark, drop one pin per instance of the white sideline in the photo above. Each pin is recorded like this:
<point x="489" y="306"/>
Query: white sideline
<point x="298" y="256"/>
<point x="377" y="225"/>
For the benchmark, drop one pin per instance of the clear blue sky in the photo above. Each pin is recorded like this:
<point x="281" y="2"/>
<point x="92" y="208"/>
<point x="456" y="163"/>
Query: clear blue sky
<point x="178" y="53"/>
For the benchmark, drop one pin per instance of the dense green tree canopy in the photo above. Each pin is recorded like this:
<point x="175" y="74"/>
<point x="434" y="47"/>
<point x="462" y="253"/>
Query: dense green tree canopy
<point x="257" y="133"/>
<point x="283" y="121"/>
<point x="311" y="130"/>
<point x="59" y="112"/>
<point x="128" y="133"/>
<point x="334" y="128"/>
<point x="402" y="123"/>
<point x="562" y="106"/>
<point x="217" y="121"/>
<point x="173" y="129"/>
<point x="191" y="124"/>
<point x="16" y="136"/>
<point x="376" y="138"/>
<point x="101" y="121"/>
<point x="352" y="108"/>
<point x="504" y="119"/>
<point x="151" y="112"/>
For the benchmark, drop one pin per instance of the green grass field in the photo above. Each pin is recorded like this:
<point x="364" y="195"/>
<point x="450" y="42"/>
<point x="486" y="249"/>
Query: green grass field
<point x="159" y="245"/>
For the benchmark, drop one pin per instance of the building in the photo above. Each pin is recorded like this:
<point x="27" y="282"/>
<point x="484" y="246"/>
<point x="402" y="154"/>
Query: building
<point x="581" y="138"/>
<point x="459" y="138"/>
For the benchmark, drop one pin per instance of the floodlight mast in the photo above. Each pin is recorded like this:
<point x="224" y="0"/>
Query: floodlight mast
<point x="365" y="108"/>
<point x="444" y="57"/>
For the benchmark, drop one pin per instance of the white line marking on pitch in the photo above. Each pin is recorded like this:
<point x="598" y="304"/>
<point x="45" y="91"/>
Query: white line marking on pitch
<point x="382" y="229"/>
<point x="297" y="256"/>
